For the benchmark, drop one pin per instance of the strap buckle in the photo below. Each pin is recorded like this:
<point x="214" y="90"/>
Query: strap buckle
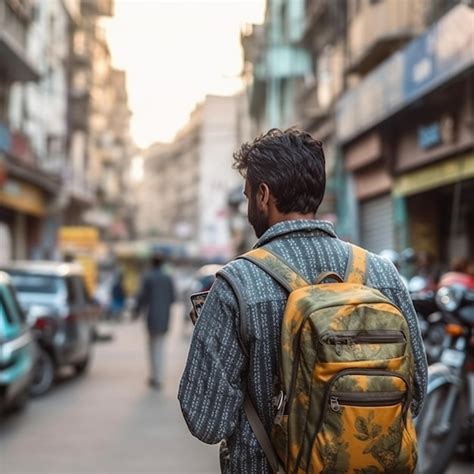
<point x="280" y="405"/>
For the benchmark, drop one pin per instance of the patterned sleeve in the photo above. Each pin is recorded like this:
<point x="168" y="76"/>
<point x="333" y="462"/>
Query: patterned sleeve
<point x="401" y="298"/>
<point x="210" y="391"/>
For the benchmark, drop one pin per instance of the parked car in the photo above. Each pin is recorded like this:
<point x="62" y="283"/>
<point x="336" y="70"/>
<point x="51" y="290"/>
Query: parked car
<point x="61" y="313"/>
<point x="17" y="349"/>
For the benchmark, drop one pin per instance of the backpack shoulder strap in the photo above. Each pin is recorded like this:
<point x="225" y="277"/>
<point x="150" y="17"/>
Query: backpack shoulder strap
<point x="261" y="435"/>
<point x="277" y="268"/>
<point x="356" y="268"/>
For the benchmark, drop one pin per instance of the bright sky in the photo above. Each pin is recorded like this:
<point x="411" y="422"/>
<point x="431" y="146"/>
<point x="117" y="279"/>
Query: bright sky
<point x="175" y="52"/>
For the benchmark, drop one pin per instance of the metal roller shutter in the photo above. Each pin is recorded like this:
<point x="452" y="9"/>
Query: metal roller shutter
<point x="376" y="224"/>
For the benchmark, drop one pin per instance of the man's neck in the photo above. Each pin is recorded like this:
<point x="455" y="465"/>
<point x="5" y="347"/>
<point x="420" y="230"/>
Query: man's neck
<point x="292" y="216"/>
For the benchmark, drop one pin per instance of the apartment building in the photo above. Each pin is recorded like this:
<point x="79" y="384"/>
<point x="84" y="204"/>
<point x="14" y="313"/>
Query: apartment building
<point x="187" y="182"/>
<point x="275" y="63"/>
<point x="405" y="127"/>
<point x="26" y="188"/>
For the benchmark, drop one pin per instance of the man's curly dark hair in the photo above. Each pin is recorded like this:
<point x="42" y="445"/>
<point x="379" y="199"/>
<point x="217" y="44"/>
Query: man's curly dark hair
<point x="291" y="163"/>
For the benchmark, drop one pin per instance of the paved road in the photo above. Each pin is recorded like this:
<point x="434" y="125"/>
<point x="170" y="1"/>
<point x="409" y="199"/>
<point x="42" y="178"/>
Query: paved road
<point x="110" y="421"/>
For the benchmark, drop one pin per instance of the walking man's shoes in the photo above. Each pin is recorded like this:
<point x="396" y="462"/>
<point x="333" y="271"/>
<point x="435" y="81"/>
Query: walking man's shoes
<point x="154" y="384"/>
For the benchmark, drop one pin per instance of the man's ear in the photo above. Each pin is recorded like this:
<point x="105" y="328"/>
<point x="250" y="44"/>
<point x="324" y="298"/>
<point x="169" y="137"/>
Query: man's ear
<point x="263" y="197"/>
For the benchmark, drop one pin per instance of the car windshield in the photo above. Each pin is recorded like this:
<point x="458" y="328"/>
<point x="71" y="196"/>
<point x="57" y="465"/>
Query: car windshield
<point x="34" y="283"/>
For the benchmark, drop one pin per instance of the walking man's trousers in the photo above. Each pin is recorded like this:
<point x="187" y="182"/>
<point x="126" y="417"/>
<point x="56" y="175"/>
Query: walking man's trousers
<point x="156" y="350"/>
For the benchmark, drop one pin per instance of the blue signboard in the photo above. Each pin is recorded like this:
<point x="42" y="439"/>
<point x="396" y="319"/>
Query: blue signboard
<point x="429" y="136"/>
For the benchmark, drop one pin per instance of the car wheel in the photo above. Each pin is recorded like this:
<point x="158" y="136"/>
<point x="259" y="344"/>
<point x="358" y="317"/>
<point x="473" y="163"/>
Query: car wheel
<point x="82" y="366"/>
<point x="18" y="403"/>
<point x="43" y="376"/>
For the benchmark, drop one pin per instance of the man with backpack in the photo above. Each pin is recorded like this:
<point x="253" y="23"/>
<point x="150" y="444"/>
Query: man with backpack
<point x="307" y="356"/>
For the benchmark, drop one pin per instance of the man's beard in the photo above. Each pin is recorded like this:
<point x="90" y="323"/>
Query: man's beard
<point x="257" y="220"/>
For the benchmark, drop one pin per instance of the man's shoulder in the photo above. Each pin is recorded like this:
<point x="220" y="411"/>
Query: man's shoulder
<point x="236" y="269"/>
<point x="381" y="273"/>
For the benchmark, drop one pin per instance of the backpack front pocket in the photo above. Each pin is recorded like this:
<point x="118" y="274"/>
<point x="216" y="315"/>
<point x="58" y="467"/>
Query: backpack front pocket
<point x="363" y="429"/>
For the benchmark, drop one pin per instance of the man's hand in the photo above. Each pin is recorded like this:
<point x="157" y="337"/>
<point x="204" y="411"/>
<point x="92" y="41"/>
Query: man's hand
<point x="193" y="315"/>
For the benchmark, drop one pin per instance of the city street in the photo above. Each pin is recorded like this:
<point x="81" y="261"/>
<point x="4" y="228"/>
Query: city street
<point x="110" y="421"/>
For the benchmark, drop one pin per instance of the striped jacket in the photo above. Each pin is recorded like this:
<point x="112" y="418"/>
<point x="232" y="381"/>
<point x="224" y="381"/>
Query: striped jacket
<point x="218" y="370"/>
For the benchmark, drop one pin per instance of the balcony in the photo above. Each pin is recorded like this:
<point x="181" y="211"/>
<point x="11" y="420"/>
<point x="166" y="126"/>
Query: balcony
<point x="283" y="61"/>
<point x="252" y="39"/>
<point x="21" y="161"/>
<point x="310" y="109"/>
<point x="325" y="23"/>
<point x="14" y="63"/>
<point x="379" y="30"/>
<point x="77" y="186"/>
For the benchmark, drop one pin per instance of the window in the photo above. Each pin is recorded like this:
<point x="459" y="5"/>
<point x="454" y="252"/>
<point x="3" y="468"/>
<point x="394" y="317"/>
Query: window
<point x="34" y="283"/>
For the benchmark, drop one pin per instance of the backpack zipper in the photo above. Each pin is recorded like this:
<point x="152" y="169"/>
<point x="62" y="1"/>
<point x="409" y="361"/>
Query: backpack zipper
<point x="369" y="399"/>
<point x="349" y="338"/>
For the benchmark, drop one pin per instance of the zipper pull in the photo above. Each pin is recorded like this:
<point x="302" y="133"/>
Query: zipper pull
<point x="335" y="404"/>
<point x="351" y="343"/>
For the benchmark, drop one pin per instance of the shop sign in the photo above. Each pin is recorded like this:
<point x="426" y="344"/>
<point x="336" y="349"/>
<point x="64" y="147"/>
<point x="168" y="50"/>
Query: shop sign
<point x="22" y="197"/>
<point x="77" y="238"/>
<point x="436" y="133"/>
<point x="429" y="136"/>
<point x="443" y="51"/>
<point x="428" y="61"/>
<point x="434" y="176"/>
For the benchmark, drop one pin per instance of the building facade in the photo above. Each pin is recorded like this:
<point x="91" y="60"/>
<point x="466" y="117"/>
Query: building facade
<point x="187" y="183"/>
<point x="405" y="131"/>
<point x="275" y="63"/>
<point x="388" y="91"/>
<point x="325" y="39"/>
<point x="26" y="189"/>
<point x="49" y="138"/>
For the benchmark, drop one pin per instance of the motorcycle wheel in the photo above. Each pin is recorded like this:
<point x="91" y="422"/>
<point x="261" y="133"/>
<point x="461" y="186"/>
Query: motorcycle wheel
<point x="436" y="443"/>
<point x="44" y="373"/>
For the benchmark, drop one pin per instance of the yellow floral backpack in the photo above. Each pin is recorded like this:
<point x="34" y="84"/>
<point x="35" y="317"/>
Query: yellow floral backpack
<point x="346" y="376"/>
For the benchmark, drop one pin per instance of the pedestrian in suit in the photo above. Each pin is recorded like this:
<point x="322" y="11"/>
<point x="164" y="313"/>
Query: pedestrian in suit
<point x="154" y="299"/>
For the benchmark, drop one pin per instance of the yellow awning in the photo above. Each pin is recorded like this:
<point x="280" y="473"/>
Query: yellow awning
<point x="435" y="175"/>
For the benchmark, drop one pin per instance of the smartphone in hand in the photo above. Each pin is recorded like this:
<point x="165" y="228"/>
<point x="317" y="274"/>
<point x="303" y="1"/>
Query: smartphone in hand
<point x="197" y="300"/>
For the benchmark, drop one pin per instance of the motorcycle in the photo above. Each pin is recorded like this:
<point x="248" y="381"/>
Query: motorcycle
<point x="430" y="321"/>
<point x="447" y="417"/>
<point x="422" y="294"/>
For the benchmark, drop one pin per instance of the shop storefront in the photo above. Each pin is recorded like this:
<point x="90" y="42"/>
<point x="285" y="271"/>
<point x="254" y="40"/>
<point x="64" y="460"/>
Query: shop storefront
<point x="439" y="201"/>
<point x="22" y="207"/>
<point x="406" y="137"/>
